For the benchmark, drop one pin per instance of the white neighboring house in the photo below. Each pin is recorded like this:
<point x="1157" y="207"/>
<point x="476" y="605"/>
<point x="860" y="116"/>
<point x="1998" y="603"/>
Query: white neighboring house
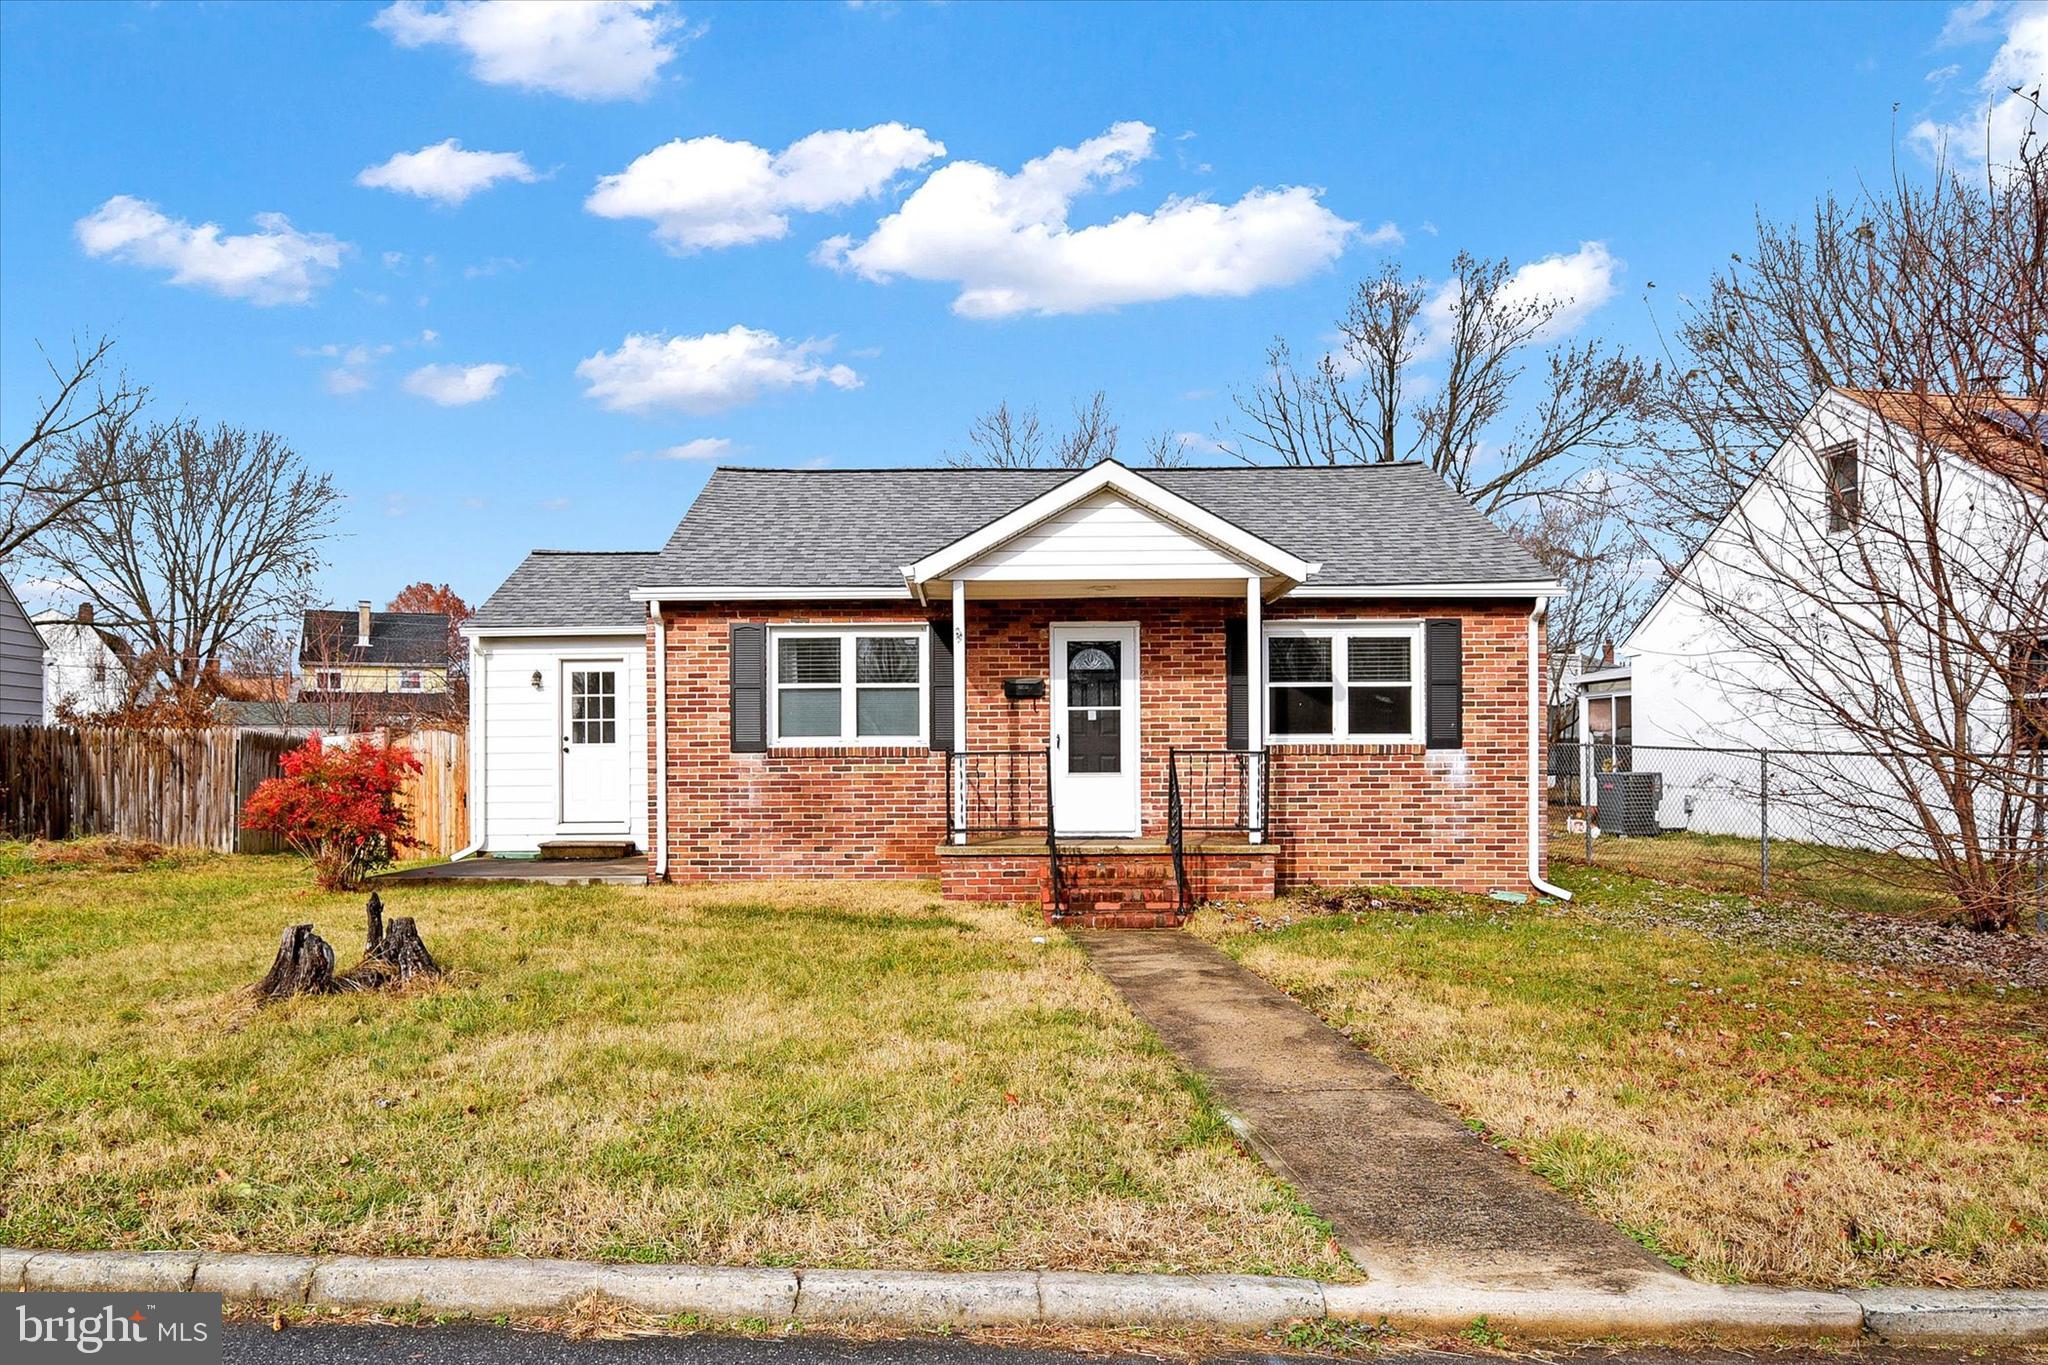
<point x="84" y="665"/>
<point x="21" y="663"/>
<point x="1692" y="685"/>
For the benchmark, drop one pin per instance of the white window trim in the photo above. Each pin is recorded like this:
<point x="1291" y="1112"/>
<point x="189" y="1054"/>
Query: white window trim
<point x="1340" y="711"/>
<point x="419" y="677"/>
<point x="320" y="676"/>
<point x="848" y="686"/>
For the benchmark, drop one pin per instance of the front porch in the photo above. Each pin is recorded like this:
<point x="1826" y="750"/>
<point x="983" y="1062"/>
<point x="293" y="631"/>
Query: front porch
<point x="1005" y="840"/>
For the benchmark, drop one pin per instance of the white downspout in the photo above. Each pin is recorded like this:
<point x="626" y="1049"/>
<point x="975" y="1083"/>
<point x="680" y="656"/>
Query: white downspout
<point x="660" y="642"/>
<point x="1536" y="708"/>
<point x="479" y="693"/>
<point x="959" y="626"/>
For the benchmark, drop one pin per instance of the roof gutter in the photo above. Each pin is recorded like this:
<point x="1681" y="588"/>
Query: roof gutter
<point x="1536" y="764"/>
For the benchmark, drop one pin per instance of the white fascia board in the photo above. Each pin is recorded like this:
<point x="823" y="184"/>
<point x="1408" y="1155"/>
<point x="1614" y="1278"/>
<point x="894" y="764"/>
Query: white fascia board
<point x="743" y="592"/>
<point x="539" y="632"/>
<point x="1109" y="475"/>
<point x="1532" y="587"/>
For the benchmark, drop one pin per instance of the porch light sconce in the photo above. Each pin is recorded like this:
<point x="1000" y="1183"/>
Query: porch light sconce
<point x="536" y="680"/>
<point x="1024" y="689"/>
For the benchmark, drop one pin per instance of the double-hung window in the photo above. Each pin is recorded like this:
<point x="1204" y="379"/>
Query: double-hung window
<point x="848" y="686"/>
<point x="412" y="680"/>
<point x="327" y="680"/>
<point x="1845" y="486"/>
<point x="1344" y="682"/>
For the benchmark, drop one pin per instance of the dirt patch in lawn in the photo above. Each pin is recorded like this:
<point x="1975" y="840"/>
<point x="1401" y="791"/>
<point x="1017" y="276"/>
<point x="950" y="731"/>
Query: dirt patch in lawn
<point x="1747" y="1109"/>
<point x="824" y="1074"/>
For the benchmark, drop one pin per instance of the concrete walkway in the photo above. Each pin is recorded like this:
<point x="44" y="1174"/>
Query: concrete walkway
<point x="1413" y="1196"/>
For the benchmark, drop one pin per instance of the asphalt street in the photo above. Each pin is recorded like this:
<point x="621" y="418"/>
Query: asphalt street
<point x="255" y="1344"/>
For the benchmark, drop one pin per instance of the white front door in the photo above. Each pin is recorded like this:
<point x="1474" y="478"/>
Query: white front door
<point x="595" y="792"/>
<point x="1095" y="729"/>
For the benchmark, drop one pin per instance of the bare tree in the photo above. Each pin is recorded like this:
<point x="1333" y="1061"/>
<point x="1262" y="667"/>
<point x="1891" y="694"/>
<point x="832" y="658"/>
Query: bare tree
<point x="41" y="478"/>
<point x="1888" y="594"/>
<point x="1364" y="405"/>
<point x="1004" y="439"/>
<point x="198" y="538"/>
<point x="1590" y="545"/>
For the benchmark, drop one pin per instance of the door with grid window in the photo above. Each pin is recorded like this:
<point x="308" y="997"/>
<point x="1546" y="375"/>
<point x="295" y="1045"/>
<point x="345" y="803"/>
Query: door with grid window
<point x="595" y="793"/>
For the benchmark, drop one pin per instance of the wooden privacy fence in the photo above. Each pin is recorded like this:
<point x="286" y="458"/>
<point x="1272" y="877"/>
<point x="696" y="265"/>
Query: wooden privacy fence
<point x="186" y="788"/>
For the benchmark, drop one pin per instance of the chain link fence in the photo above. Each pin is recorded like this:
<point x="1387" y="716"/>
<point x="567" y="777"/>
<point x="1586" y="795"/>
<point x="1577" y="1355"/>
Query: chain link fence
<point x="1834" y="828"/>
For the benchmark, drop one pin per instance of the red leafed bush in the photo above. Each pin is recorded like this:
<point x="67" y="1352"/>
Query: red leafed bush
<point x="338" y="807"/>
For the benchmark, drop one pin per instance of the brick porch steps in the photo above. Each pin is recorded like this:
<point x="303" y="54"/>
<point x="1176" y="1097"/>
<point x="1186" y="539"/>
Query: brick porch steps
<point x="1108" y="883"/>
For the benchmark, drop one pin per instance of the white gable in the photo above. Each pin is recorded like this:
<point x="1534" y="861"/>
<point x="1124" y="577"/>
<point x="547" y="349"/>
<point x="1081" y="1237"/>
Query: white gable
<point x="1105" y="534"/>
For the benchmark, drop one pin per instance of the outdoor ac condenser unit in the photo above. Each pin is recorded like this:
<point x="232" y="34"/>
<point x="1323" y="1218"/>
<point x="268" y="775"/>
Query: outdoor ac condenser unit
<point x="1628" y="802"/>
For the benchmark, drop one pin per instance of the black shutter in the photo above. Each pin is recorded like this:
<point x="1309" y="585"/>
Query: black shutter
<point x="748" y="704"/>
<point x="1443" y="647"/>
<point x="1237" y="727"/>
<point x="942" y="690"/>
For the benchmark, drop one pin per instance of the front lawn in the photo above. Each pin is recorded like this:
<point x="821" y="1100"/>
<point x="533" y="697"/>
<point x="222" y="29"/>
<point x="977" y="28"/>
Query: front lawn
<point x="1722" y="1080"/>
<point x="827" y="1074"/>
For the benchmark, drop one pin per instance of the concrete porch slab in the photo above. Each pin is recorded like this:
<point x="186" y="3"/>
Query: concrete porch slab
<point x="582" y="872"/>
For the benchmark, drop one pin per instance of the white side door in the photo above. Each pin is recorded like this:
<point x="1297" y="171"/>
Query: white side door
<point x="1094" y="706"/>
<point x="596" y="797"/>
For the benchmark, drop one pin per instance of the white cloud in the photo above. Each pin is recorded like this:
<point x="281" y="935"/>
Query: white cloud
<point x="2005" y="110"/>
<point x="343" y="382"/>
<point x="456" y="386"/>
<point x="706" y="374"/>
<point x="710" y="192"/>
<point x="703" y="448"/>
<point x="1579" y="284"/>
<point x="446" y="172"/>
<point x="275" y="264"/>
<point x="1005" y="239"/>
<point x="585" y="49"/>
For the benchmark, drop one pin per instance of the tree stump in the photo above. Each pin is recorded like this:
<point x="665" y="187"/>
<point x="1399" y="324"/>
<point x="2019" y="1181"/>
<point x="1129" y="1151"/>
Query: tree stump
<point x="396" y="957"/>
<point x="375" y="911"/>
<point x="304" y="966"/>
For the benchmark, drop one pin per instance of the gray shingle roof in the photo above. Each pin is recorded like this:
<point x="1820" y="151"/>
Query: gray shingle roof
<point x="396" y="637"/>
<point x="1369" y="525"/>
<point x="555" y="588"/>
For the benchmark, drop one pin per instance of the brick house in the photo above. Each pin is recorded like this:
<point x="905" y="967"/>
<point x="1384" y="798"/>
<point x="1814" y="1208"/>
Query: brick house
<point x="1112" y="692"/>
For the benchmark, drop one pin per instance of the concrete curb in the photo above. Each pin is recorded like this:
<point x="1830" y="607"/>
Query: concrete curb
<point x="908" y="1298"/>
<point x="1954" y="1315"/>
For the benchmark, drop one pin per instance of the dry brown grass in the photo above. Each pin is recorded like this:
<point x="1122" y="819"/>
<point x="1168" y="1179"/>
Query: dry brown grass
<point x="824" y="1074"/>
<point x="1752" y="1114"/>
<point x="99" y="853"/>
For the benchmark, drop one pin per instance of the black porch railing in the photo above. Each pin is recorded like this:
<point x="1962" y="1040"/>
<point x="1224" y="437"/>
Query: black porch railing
<point x="1004" y="793"/>
<point x="1212" y="791"/>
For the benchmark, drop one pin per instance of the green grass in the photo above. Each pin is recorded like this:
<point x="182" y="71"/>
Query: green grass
<point x="1751" y="1111"/>
<point x="825" y="1074"/>
<point x="1856" y="879"/>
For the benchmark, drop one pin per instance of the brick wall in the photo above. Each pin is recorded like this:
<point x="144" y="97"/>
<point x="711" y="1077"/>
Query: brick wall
<point x="866" y="813"/>
<point x="1383" y="813"/>
<point x="1408" y="815"/>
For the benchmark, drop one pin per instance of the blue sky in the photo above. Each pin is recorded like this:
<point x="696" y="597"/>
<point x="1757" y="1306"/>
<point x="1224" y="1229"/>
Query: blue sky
<point x="467" y="369"/>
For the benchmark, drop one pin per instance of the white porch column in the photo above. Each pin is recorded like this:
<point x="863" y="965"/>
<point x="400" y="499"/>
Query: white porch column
<point x="1254" y="701"/>
<point x="959" y="710"/>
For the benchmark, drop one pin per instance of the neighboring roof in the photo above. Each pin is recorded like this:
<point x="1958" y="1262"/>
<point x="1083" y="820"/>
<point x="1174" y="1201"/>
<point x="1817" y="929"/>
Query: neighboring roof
<point x="1378" y="525"/>
<point x="1986" y="429"/>
<point x="396" y="637"/>
<point x="552" y="589"/>
<point x="279" y="715"/>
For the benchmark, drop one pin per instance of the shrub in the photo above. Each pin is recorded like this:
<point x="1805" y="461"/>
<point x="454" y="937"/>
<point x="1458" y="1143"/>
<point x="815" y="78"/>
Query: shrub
<point x="339" y="807"/>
